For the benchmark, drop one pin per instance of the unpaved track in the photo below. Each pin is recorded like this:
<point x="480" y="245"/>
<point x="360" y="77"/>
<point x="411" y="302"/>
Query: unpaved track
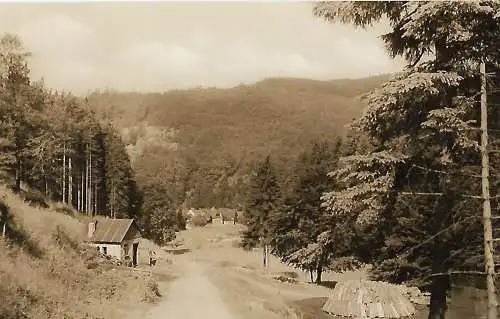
<point x="191" y="296"/>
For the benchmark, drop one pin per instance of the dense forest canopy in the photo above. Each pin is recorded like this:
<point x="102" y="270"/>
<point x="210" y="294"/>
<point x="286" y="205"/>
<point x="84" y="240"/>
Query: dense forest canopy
<point x="206" y="142"/>
<point x="53" y="143"/>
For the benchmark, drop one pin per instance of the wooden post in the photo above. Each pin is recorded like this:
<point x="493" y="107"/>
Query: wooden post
<point x="488" y="232"/>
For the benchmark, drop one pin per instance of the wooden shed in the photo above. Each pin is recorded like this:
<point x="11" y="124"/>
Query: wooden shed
<point x="368" y="299"/>
<point x="118" y="238"/>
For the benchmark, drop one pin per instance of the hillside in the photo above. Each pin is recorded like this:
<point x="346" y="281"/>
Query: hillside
<point x="46" y="273"/>
<point x="274" y="114"/>
<point x="216" y="135"/>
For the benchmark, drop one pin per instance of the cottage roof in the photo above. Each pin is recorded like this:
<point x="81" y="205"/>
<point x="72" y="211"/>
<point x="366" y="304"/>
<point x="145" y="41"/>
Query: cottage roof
<point x="111" y="230"/>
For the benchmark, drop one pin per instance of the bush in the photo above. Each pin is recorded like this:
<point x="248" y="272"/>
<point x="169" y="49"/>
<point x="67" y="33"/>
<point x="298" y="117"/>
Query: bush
<point x="63" y="240"/>
<point x="199" y="220"/>
<point x="35" y="199"/>
<point x="151" y="291"/>
<point x="285" y="279"/>
<point x="64" y="209"/>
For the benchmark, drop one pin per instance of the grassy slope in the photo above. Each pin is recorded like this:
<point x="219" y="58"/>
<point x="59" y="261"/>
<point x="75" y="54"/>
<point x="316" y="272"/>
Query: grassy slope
<point x="43" y="273"/>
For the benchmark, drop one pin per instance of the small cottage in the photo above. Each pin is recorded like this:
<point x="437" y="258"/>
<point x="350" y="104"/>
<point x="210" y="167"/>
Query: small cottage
<point x="118" y="238"/>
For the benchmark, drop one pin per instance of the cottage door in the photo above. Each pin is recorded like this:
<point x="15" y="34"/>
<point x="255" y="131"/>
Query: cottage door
<point x="134" y="253"/>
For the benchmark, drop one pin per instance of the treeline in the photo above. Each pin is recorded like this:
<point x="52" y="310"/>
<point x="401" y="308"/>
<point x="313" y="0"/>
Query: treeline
<point x="52" y="142"/>
<point x="405" y="195"/>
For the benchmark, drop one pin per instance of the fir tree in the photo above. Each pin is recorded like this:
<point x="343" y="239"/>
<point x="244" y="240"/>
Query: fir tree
<point x="263" y="201"/>
<point x="419" y="120"/>
<point x="298" y="228"/>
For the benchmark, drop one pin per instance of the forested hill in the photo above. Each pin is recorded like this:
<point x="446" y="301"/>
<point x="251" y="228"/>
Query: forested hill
<point x="207" y="139"/>
<point x="274" y="115"/>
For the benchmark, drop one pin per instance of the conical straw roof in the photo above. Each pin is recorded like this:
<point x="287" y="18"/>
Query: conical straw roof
<point x="368" y="299"/>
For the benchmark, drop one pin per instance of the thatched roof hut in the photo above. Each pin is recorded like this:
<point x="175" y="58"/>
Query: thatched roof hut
<point x="368" y="299"/>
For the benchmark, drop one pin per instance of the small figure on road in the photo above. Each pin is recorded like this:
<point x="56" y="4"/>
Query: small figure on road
<point x="152" y="258"/>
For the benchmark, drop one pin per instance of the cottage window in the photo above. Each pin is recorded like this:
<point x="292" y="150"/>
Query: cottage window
<point x="105" y="250"/>
<point x="125" y="249"/>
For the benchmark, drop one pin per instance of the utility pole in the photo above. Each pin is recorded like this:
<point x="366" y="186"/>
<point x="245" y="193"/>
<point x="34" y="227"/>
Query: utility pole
<point x="488" y="232"/>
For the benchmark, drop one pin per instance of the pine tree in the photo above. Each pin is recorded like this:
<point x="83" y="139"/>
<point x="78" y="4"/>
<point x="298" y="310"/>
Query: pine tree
<point x="421" y="120"/>
<point x="262" y="202"/>
<point x="302" y="231"/>
<point x="14" y="78"/>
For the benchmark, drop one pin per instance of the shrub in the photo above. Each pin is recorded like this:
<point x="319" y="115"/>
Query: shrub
<point x="199" y="220"/>
<point x="63" y="240"/>
<point x="64" y="209"/>
<point x="35" y="199"/>
<point x="21" y="238"/>
<point x="151" y="291"/>
<point x="283" y="278"/>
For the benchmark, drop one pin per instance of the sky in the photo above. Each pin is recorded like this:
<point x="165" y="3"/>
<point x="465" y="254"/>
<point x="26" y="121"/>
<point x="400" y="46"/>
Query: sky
<point x="159" y="46"/>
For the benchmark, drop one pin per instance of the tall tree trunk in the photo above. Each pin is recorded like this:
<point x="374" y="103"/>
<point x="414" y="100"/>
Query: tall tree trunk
<point x="95" y="197"/>
<point x="45" y="183"/>
<point x="78" y="198"/>
<point x="113" y="213"/>
<point x="87" y="185"/>
<point x="319" y="272"/>
<point x="438" y="305"/>
<point x="70" y="183"/>
<point x="64" y="175"/>
<point x="17" y="186"/>
<point x="311" y="274"/>
<point x="91" y="206"/>
<point x="82" y="201"/>
<point x="440" y="283"/>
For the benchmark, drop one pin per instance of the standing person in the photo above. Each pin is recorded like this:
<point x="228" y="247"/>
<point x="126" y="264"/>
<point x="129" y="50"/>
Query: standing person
<point x="152" y="257"/>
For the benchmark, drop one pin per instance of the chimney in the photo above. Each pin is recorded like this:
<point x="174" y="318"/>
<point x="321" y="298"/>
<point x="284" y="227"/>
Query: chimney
<point x="92" y="226"/>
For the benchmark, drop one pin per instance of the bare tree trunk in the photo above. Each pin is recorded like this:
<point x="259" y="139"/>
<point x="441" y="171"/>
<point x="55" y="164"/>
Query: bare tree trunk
<point x="95" y="197"/>
<point x="45" y="186"/>
<point x="64" y="175"/>
<point x="70" y="183"/>
<point x="319" y="272"/>
<point x="438" y="305"/>
<point x="488" y="232"/>
<point x="87" y="185"/>
<point x="113" y="214"/>
<point x="17" y="186"/>
<point x="78" y="198"/>
<point x="82" y="201"/>
<point x="91" y="206"/>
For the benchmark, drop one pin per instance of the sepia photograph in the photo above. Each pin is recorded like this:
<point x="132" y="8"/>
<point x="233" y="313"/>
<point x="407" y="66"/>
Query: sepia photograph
<point x="249" y="159"/>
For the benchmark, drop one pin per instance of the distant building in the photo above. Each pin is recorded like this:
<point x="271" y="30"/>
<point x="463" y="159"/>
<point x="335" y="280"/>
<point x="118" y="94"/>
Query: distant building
<point x="226" y="216"/>
<point x="118" y="238"/>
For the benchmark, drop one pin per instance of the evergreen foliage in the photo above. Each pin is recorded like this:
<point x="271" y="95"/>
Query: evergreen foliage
<point x="425" y="141"/>
<point x="51" y="142"/>
<point x="262" y="204"/>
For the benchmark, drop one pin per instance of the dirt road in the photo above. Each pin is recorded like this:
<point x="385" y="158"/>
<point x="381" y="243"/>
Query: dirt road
<point x="191" y="296"/>
<point x="215" y="279"/>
